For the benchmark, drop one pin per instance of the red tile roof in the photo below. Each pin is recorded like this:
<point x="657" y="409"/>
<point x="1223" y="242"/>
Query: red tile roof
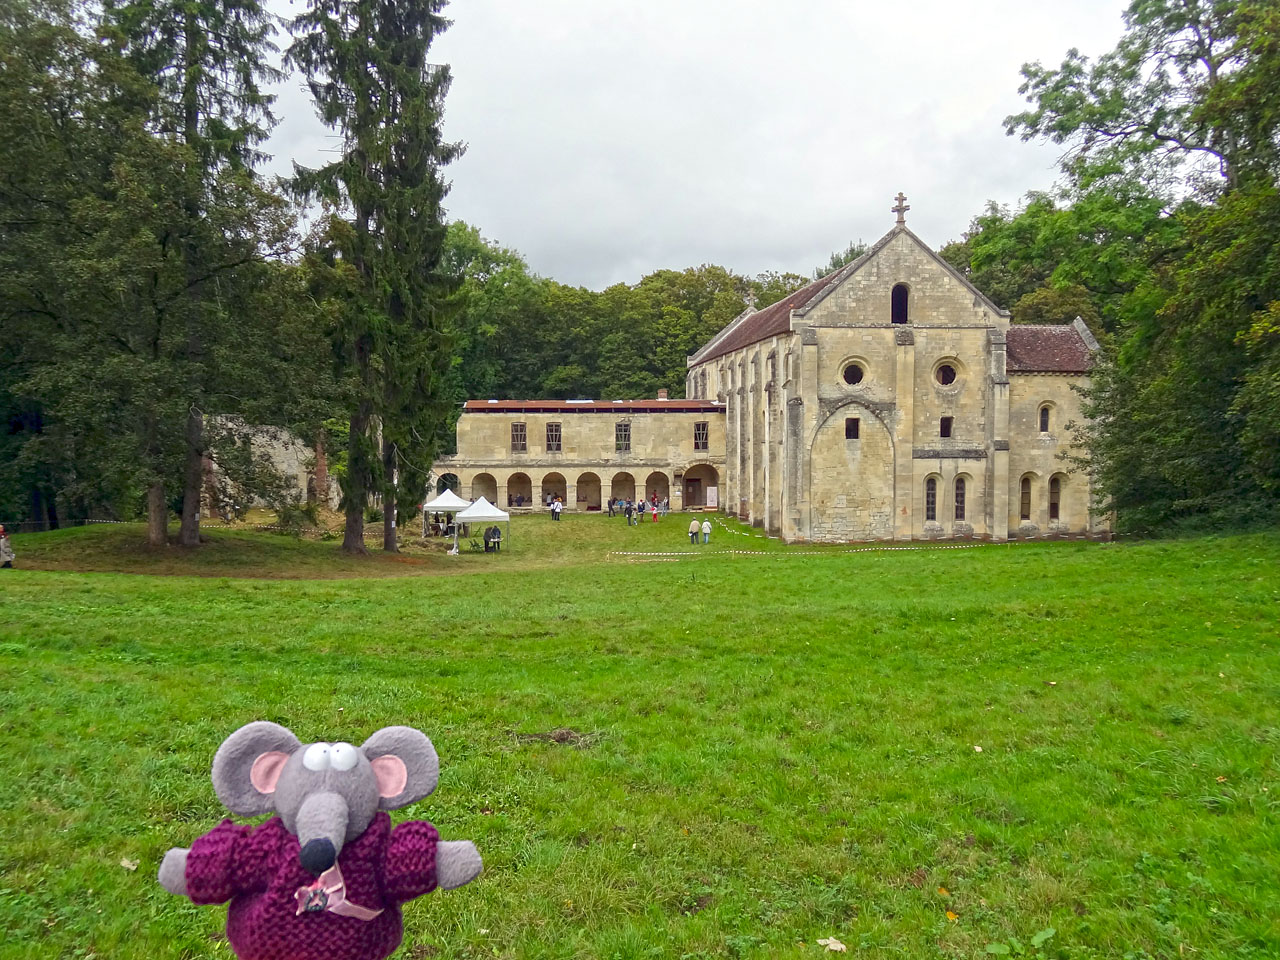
<point x="763" y="324"/>
<point x="1047" y="349"/>
<point x="593" y="406"/>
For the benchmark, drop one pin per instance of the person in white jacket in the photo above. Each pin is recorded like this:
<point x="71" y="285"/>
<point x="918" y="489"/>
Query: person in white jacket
<point x="7" y="555"/>
<point x="706" y="531"/>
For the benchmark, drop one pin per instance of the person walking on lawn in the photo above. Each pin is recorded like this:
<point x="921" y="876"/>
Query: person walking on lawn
<point x="706" y="531"/>
<point x="7" y="555"/>
<point x="693" y="530"/>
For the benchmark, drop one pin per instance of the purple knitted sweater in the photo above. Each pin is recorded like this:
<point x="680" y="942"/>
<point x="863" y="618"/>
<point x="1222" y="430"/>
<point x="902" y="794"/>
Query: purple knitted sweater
<point x="257" y="869"/>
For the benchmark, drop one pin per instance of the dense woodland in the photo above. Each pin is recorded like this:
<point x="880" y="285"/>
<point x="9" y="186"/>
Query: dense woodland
<point x="157" y="293"/>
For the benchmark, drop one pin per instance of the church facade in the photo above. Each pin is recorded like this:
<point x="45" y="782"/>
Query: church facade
<point x="890" y="400"/>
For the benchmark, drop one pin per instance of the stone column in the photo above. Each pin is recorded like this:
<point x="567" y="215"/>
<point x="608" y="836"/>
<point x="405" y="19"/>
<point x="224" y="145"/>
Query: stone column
<point x="997" y="506"/>
<point x="570" y="494"/>
<point x="806" y="422"/>
<point x="904" y="432"/>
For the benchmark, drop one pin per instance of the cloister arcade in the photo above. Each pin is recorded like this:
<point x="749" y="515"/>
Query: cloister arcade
<point x="586" y="490"/>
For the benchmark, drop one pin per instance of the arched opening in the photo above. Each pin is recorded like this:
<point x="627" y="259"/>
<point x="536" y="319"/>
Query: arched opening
<point x="553" y="487"/>
<point x="701" y="486"/>
<point x="519" y="490"/>
<point x="448" y="481"/>
<point x="898" y="302"/>
<point x="1044" y="419"/>
<point x="931" y="499"/>
<point x="483" y="485"/>
<point x="588" y="492"/>
<point x="1024" y="507"/>
<point x="1055" y="498"/>
<point x="657" y="485"/>
<point x="624" y="486"/>
<point x="960" y="499"/>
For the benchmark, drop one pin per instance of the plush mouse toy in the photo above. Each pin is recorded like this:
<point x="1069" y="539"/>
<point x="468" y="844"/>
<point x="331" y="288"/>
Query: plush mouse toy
<point x="324" y="879"/>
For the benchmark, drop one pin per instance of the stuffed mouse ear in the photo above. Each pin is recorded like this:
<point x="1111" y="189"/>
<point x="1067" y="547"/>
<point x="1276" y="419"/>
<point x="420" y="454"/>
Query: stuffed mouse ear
<point x="405" y="763"/>
<point x="248" y="764"/>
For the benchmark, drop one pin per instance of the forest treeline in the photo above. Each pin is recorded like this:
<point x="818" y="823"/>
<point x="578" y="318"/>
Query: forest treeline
<point x="157" y="293"/>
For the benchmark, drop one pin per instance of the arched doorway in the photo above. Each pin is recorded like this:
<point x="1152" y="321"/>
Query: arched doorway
<point x="519" y="490"/>
<point x="448" y="481"/>
<point x="701" y="486"/>
<point x="624" y="486"/>
<point x="553" y="485"/>
<point x="483" y="485"/>
<point x="657" y="484"/>
<point x="588" y="492"/>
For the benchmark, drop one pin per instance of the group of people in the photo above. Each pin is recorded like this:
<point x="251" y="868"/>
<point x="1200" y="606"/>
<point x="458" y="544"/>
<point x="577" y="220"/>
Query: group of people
<point x="695" y="528"/>
<point x="635" y="511"/>
<point x="492" y="539"/>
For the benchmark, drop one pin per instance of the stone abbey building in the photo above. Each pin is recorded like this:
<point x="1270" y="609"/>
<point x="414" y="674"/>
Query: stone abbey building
<point x="890" y="400"/>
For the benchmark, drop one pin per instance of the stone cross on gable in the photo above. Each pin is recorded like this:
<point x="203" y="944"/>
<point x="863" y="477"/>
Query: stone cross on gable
<point x="901" y="208"/>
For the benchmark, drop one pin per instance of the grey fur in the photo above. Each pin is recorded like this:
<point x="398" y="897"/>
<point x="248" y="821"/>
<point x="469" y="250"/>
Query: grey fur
<point x="457" y="862"/>
<point x="419" y="756"/>
<point x="234" y="760"/>
<point x="326" y="805"/>
<point x="173" y="871"/>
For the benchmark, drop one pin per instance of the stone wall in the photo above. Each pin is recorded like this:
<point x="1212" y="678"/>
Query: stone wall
<point x="588" y="470"/>
<point x="790" y="468"/>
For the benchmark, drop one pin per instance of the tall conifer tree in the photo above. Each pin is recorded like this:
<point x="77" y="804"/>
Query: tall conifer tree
<point x="209" y="59"/>
<point x="365" y="62"/>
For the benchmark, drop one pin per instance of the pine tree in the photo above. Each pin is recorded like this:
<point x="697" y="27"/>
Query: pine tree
<point x="365" y="63"/>
<point x="208" y="60"/>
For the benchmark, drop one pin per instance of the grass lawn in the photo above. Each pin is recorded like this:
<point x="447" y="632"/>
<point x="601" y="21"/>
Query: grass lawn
<point x="764" y="750"/>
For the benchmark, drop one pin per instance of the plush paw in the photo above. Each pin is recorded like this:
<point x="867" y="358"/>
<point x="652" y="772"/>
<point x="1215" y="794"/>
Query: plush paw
<point x="173" y="871"/>
<point x="457" y="862"/>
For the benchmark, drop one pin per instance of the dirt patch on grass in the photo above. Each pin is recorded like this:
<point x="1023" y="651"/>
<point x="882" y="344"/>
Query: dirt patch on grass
<point x="562" y="735"/>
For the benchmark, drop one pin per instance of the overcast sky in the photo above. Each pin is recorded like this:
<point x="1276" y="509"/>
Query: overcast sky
<point x="606" y="139"/>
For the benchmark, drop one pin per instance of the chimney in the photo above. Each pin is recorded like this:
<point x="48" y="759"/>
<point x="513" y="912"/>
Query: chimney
<point x="662" y="394"/>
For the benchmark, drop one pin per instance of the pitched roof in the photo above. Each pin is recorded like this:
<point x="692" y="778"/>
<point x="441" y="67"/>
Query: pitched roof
<point x="593" y="406"/>
<point x="749" y="328"/>
<point x="1051" y="348"/>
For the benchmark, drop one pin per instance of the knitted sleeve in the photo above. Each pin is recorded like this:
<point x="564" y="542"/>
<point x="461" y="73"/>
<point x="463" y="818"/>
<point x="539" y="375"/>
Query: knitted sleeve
<point x="409" y="863"/>
<point x="210" y="864"/>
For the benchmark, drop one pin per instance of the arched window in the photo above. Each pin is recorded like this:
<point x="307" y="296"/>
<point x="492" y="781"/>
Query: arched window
<point x="931" y="499"/>
<point x="898" y="303"/>
<point x="1055" y="498"/>
<point x="1026" y="499"/>
<point x="959" y="498"/>
<point x="1044" y="419"/>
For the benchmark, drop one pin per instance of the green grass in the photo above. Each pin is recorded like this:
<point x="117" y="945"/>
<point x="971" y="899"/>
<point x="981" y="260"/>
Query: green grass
<point x="777" y="748"/>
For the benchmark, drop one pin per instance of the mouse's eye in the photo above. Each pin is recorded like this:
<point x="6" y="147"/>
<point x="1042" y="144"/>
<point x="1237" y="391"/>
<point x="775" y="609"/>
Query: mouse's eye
<point x="342" y="756"/>
<point x="317" y="757"/>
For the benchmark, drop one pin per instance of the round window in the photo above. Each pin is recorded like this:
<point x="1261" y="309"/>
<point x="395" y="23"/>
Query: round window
<point x="945" y="374"/>
<point x="853" y="374"/>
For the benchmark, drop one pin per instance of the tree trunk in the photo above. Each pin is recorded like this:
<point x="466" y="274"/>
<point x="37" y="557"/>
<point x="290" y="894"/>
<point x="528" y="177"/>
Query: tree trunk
<point x="192" y="482"/>
<point x="157" y="516"/>
<point x="390" y="543"/>
<point x="357" y="488"/>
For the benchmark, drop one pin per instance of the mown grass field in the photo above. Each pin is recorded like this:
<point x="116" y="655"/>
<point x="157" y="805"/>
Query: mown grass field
<point x="765" y="750"/>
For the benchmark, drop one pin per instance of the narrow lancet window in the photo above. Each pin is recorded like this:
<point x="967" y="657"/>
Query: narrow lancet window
<point x="931" y="499"/>
<point x="959" y="498"/>
<point x="898" y="303"/>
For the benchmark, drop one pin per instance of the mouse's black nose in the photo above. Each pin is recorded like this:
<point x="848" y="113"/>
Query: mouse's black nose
<point x="318" y="856"/>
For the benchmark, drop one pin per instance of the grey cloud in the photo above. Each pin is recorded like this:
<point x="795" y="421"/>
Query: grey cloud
<point x="606" y="140"/>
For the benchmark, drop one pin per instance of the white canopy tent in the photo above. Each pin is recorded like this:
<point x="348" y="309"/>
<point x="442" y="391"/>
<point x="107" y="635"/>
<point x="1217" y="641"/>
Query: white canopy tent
<point x="482" y="511"/>
<point x="448" y="502"/>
